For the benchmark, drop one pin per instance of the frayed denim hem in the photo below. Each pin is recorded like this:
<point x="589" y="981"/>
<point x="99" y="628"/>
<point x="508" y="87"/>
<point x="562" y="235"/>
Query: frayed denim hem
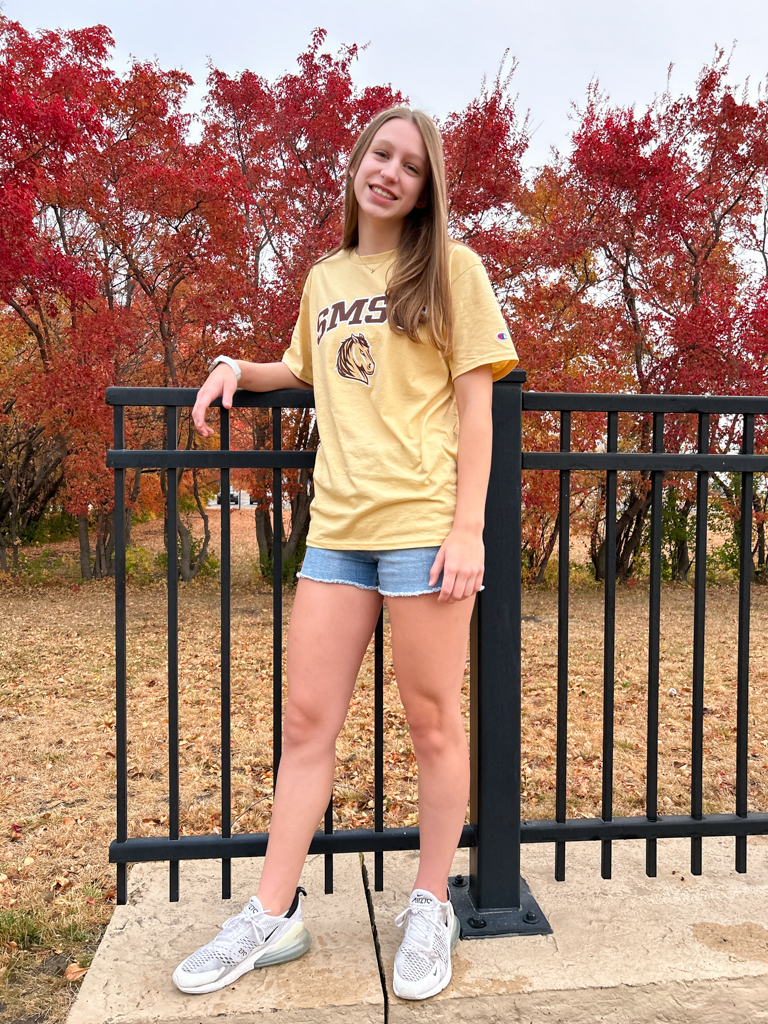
<point x="384" y="593"/>
<point x="349" y="583"/>
<point x="410" y="593"/>
<point x="361" y="586"/>
<point x="418" y="593"/>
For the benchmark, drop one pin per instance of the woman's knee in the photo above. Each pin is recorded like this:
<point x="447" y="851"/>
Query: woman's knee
<point x="309" y="726"/>
<point x="435" y="732"/>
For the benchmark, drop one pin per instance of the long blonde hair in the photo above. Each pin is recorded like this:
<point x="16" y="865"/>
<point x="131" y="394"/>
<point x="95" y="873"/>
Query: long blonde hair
<point x="419" y="287"/>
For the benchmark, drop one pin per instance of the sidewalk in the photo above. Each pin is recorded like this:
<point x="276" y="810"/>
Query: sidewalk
<point x="130" y="979"/>
<point x="631" y="950"/>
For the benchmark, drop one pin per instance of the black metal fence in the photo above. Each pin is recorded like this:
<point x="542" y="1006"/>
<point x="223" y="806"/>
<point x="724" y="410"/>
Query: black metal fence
<point x="494" y="899"/>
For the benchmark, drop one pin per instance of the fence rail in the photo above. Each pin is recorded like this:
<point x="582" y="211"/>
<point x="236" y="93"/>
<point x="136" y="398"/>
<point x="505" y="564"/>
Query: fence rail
<point x="655" y="463"/>
<point x="495" y="894"/>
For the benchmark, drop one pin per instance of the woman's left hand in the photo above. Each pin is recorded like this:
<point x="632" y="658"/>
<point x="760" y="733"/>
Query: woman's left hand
<point x="461" y="559"/>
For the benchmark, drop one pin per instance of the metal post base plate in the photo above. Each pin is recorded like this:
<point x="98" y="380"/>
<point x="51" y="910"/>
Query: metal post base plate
<point x="527" y="919"/>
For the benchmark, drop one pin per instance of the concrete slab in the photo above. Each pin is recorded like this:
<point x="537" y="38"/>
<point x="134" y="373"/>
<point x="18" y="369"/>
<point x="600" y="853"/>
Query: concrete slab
<point x="130" y="979"/>
<point x="631" y="950"/>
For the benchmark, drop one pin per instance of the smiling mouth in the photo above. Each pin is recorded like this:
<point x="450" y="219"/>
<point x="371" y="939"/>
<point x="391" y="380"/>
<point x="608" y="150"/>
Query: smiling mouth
<point x="382" y="192"/>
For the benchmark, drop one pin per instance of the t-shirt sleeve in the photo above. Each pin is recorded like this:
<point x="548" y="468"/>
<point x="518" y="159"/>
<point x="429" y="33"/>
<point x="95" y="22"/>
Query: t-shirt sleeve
<point x="480" y="335"/>
<point x="298" y="356"/>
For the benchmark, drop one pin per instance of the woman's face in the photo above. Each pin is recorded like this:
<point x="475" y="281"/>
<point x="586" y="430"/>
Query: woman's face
<point x="390" y="180"/>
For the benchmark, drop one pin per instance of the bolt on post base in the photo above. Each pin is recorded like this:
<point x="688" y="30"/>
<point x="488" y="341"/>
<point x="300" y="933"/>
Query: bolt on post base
<point x="527" y="919"/>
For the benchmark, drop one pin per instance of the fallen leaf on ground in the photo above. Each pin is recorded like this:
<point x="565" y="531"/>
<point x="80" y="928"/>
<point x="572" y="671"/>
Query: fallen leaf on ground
<point x="74" y="971"/>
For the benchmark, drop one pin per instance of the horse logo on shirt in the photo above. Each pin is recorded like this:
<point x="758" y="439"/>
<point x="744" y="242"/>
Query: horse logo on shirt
<point x="354" y="359"/>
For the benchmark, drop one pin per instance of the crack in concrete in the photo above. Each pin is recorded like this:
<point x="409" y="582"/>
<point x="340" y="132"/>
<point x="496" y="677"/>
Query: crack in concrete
<point x="375" y="935"/>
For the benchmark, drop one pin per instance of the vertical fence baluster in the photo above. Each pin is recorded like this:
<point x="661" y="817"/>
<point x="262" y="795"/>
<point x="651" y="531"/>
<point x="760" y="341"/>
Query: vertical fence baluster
<point x="226" y="647"/>
<point x="563" y="574"/>
<point x="742" y="685"/>
<point x="378" y="748"/>
<point x="277" y="597"/>
<point x="171" y="419"/>
<point x="609" y="642"/>
<point x="121" y="671"/>
<point x="699" y="603"/>
<point x="328" y="859"/>
<point x="654" y="627"/>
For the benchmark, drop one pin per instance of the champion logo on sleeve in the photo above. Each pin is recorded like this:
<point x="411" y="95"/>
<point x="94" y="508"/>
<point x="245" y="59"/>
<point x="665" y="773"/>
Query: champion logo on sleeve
<point x="502" y="336"/>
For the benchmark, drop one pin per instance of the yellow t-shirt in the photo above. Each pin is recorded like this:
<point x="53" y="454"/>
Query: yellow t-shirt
<point x="385" y="475"/>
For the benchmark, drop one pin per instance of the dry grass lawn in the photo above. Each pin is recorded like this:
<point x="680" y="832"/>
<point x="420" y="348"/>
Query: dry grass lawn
<point x="57" y="767"/>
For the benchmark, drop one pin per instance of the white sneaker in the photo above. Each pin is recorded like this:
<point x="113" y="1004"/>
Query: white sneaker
<point x="423" y="962"/>
<point x="250" y="939"/>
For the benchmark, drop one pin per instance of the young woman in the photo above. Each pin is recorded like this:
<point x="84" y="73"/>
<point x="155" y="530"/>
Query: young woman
<point x="401" y="337"/>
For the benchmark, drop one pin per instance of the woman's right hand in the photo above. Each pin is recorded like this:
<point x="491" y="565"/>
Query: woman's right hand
<point x="221" y="383"/>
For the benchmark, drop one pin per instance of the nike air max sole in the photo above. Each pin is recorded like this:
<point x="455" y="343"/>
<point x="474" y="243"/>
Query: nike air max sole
<point x="291" y="946"/>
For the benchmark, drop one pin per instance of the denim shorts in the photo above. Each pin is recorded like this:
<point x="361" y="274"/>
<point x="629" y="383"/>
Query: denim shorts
<point x="403" y="572"/>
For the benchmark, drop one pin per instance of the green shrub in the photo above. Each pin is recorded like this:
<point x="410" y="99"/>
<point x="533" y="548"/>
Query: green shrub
<point x="43" y="567"/>
<point x="209" y="569"/>
<point x="291" y="566"/>
<point x="139" y="564"/>
<point x="580" y="574"/>
<point x="54" y="525"/>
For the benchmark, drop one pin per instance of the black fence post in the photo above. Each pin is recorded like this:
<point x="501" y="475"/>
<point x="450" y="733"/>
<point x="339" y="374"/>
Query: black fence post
<point x="497" y="901"/>
<point x="121" y="662"/>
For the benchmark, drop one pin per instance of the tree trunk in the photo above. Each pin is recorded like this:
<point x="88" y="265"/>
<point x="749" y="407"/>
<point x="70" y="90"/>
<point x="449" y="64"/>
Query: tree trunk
<point x="761" y="569"/>
<point x="629" y="532"/>
<point x="109" y="549"/>
<point x="104" y="560"/>
<point x="100" y="555"/>
<point x="129" y="509"/>
<point x="264" y="539"/>
<point x="15" y="538"/>
<point x="292" y="546"/>
<point x="681" y="561"/>
<point x="189" y="567"/>
<point x="164" y="491"/>
<point x="628" y="546"/>
<point x="30" y="475"/>
<point x="596" y="546"/>
<point x="185" y="552"/>
<point x="549" y="547"/>
<point x="299" y="516"/>
<point x="681" y="556"/>
<point x="85" y="548"/>
<point x="3" y="559"/>
<point x="203" y="552"/>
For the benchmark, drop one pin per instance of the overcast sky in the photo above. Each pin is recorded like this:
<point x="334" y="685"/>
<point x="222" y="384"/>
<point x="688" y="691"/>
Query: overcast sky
<point x="437" y="52"/>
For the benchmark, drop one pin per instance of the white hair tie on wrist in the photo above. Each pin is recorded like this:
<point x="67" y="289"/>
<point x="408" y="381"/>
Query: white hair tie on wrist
<point x="230" y="363"/>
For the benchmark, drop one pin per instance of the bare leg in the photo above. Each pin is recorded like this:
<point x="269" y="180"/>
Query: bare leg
<point x="331" y="624"/>
<point x="429" y="647"/>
